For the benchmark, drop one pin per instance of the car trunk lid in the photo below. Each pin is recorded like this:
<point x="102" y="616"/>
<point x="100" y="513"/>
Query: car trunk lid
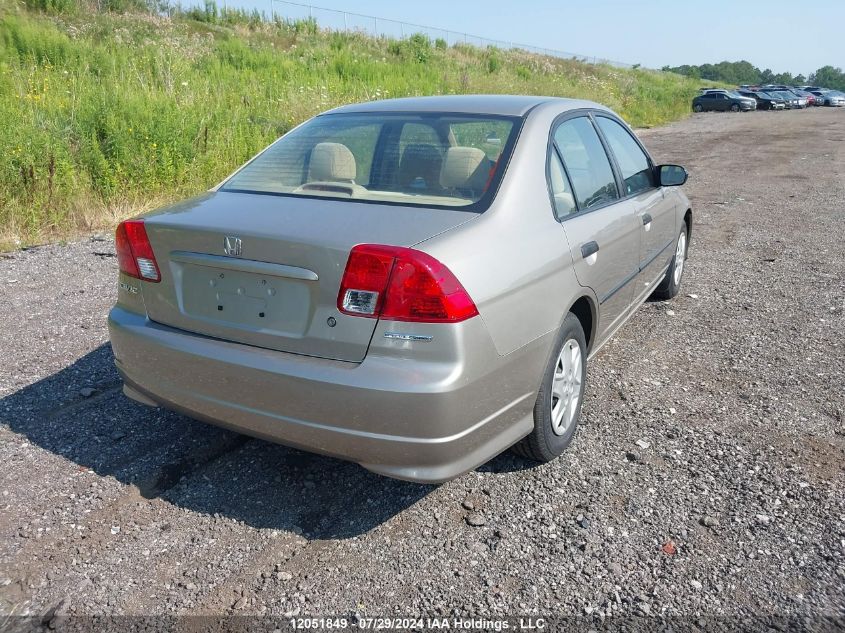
<point x="265" y="270"/>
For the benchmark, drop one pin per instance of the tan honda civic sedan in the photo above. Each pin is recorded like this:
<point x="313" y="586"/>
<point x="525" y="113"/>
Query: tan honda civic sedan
<point x="414" y="284"/>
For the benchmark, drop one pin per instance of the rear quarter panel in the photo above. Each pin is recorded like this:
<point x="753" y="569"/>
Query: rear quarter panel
<point x="129" y="293"/>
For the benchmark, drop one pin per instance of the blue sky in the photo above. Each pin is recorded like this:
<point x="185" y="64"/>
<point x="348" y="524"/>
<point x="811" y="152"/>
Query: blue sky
<point x="797" y="36"/>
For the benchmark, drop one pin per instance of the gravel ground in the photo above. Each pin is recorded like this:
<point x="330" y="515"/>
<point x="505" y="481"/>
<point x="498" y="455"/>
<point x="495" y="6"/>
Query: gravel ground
<point x="706" y="478"/>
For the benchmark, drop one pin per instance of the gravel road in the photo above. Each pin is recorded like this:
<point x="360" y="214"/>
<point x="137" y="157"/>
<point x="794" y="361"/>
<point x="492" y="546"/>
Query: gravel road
<point x="707" y="478"/>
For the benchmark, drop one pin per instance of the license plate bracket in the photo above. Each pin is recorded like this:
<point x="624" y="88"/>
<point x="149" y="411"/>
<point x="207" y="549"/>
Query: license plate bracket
<point x="245" y="300"/>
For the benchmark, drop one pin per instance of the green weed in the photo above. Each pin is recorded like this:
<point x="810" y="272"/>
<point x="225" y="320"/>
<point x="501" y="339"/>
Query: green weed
<point x="107" y="113"/>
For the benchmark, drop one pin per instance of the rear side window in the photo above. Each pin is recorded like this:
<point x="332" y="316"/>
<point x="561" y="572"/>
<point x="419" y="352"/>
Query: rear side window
<point x="562" y="196"/>
<point x="637" y="174"/>
<point x="586" y="162"/>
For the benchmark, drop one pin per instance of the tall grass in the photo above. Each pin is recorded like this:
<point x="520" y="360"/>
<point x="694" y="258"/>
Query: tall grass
<point x="105" y="114"/>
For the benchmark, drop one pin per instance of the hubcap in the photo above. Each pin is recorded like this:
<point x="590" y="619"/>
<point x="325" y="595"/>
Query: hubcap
<point x="566" y="387"/>
<point x="680" y="253"/>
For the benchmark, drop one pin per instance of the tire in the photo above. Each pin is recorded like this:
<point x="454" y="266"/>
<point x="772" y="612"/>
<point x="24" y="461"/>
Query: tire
<point x="569" y="361"/>
<point x="671" y="284"/>
<point x="697" y="108"/>
<point x="734" y="108"/>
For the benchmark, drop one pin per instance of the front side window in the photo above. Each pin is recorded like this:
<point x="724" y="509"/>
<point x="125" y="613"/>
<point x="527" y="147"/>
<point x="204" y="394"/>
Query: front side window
<point x="418" y="159"/>
<point x="637" y="174"/>
<point x="586" y="163"/>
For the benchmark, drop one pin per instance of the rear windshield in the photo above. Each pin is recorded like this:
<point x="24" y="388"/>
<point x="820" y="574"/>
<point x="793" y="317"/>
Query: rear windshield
<point x="426" y="159"/>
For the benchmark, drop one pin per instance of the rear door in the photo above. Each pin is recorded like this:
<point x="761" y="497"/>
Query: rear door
<point x="655" y="211"/>
<point x="600" y="226"/>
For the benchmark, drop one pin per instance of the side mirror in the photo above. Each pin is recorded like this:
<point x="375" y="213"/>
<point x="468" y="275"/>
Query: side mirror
<point x="671" y="175"/>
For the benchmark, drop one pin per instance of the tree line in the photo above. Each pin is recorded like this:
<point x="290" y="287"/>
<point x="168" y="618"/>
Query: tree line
<point x="743" y="72"/>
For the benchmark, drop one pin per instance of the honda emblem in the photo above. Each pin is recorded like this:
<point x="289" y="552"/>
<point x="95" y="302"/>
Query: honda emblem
<point x="232" y="246"/>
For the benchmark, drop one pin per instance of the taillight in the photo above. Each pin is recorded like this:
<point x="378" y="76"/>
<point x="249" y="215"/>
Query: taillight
<point x="134" y="254"/>
<point x="401" y="284"/>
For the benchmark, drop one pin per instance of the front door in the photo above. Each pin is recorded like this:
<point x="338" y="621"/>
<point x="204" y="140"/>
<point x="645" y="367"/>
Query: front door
<point x="655" y="212"/>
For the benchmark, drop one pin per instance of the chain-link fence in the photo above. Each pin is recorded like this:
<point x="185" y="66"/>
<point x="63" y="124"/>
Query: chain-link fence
<point x="335" y="20"/>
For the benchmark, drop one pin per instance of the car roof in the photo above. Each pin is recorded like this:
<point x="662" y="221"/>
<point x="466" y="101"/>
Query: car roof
<point x="505" y="105"/>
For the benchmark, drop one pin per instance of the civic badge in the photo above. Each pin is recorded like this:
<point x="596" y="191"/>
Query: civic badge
<point x="232" y="246"/>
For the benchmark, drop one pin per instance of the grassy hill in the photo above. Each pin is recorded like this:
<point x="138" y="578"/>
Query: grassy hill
<point x="105" y="114"/>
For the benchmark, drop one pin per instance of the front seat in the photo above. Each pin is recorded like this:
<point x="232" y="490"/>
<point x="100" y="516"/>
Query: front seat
<point x="465" y="171"/>
<point x="419" y="168"/>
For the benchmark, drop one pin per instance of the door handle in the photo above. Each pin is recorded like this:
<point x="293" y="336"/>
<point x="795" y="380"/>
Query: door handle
<point x="590" y="248"/>
<point x="647" y="218"/>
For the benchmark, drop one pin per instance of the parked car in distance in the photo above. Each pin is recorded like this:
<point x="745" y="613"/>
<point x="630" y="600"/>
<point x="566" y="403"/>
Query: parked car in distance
<point x="787" y="93"/>
<point x="832" y="98"/>
<point x="413" y="284"/>
<point x="802" y="101"/>
<point x="808" y="96"/>
<point x="764" y="100"/>
<point x="723" y="101"/>
<point x="790" y="99"/>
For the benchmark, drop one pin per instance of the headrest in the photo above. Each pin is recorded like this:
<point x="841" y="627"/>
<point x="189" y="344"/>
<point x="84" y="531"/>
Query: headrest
<point x="420" y="160"/>
<point x="461" y="167"/>
<point x="332" y="162"/>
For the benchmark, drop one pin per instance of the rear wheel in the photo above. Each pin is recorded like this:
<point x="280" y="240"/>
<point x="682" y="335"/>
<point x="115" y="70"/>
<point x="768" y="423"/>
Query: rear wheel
<point x="697" y="107"/>
<point x="671" y="284"/>
<point x="558" y="404"/>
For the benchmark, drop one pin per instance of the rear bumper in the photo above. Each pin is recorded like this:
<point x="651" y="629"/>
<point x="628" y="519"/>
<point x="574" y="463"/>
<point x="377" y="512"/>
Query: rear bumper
<point x="426" y="419"/>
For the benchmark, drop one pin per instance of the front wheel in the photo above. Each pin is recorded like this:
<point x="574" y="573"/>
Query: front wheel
<point x="734" y="108"/>
<point x="558" y="404"/>
<point x="671" y="284"/>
